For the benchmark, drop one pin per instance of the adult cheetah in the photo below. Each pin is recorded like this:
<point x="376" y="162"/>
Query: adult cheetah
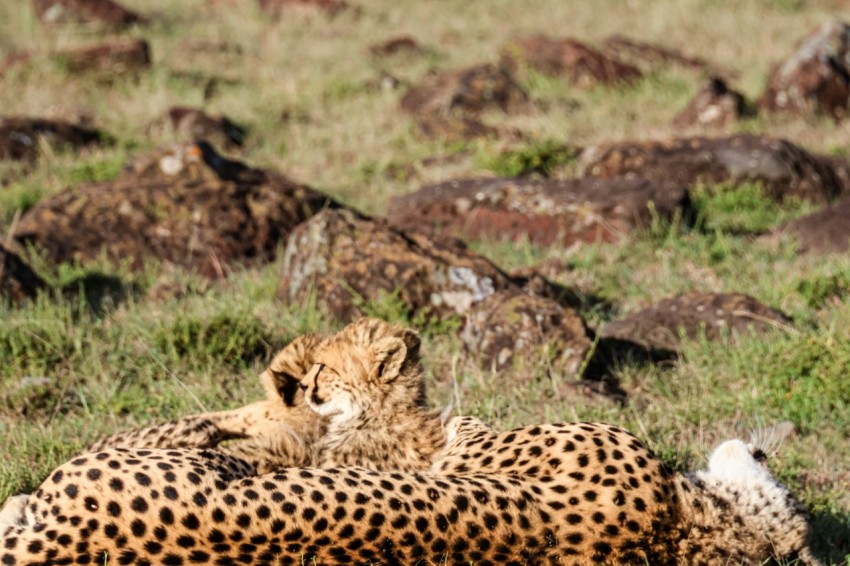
<point x="548" y="494"/>
<point x="368" y="383"/>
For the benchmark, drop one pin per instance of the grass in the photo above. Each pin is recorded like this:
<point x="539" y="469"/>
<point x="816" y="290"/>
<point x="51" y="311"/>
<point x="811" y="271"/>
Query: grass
<point x="108" y="349"/>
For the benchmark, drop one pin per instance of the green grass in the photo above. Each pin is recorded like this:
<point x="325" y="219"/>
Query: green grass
<point x="107" y="350"/>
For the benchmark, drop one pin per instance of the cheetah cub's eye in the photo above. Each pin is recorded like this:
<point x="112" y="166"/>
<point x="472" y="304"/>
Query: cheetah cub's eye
<point x="759" y="456"/>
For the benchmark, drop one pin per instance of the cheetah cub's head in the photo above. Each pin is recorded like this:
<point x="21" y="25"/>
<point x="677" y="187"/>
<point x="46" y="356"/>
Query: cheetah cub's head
<point x="282" y="378"/>
<point x="770" y="516"/>
<point x="369" y="364"/>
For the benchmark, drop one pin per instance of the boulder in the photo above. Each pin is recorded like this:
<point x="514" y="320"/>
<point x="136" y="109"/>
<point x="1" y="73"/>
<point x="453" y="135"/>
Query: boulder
<point x="815" y="78"/>
<point x="785" y="169"/>
<point x="824" y="231"/>
<point x="581" y="63"/>
<point x="106" y="12"/>
<point x="448" y="104"/>
<point x="187" y="206"/>
<point x="345" y="260"/>
<point x="658" y="328"/>
<point x="348" y="259"/>
<point x="20" y="137"/>
<point x="545" y="211"/>
<point x="17" y="281"/>
<point x="715" y="105"/>
<point x="651" y="56"/>
<point x="108" y="59"/>
<point x="192" y="124"/>
<point x="510" y="324"/>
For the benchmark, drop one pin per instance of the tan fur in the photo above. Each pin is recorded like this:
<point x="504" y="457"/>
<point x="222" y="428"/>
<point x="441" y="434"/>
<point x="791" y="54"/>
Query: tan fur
<point x="368" y="383"/>
<point x="566" y="494"/>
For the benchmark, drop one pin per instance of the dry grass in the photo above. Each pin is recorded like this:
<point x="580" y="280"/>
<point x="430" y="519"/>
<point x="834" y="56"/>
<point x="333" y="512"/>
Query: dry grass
<point x="346" y="136"/>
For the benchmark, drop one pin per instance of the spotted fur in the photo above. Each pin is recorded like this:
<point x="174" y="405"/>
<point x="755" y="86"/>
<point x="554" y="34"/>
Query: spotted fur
<point x="576" y="493"/>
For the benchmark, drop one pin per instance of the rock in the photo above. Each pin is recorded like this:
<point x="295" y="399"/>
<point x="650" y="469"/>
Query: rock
<point x="395" y="46"/>
<point x="108" y="59"/>
<point x="716" y="105"/>
<point x="651" y="56"/>
<point x="815" y="78"/>
<point x="191" y="124"/>
<point x="545" y="211"/>
<point x="509" y="323"/>
<point x="188" y="206"/>
<point x="713" y="315"/>
<point x="824" y="231"/>
<point x="276" y="8"/>
<point x="19" y="137"/>
<point x="17" y="281"/>
<point x="785" y="169"/>
<point x="347" y="259"/>
<point x="104" y="12"/>
<point x="448" y="104"/>
<point x="581" y="63"/>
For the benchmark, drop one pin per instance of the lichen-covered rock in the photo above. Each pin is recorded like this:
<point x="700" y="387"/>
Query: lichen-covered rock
<point x="711" y="315"/>
<point x="19" y="137"/>
<point x="581" y="63"/>
<point x="105" y="12"/>
<point x="17" y="281"/>
<point x="715" y="105"/>
<point x="188" y="206"/>
<point x="824" y="231"/>
<point x="511" y="324"/>
<point x="347" y="259"/>
<point x="816" y="77"/>
<point x="545" y="211"/>
<point x="448" y="104"/>
<point x="785" y="169"/>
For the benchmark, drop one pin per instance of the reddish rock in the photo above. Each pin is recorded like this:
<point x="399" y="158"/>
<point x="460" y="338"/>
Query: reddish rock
<point x="816" y="78"/>
<point x="276" y="8"/>
<point x="510" y="324"/>
<point x="716" y="105"/>
<point x="17" y="281"/>
<point x="104" y="12"/>
<point x="581" y="63"/>
<point x="651" y="56"/>
<point x="448" y="104"/>
<point x="19" y="137"/>
<point x="710" y="315"/>
<point x="108" y="59"/>
<point x="188" y="206"/>
<point x="785" y="169"/>
<point x="191" y="124"/>
<point x="347" y="259"/>
<point x="822" y="232"/>
<point x="544" y="211"/>
<point x="395" y="46"/>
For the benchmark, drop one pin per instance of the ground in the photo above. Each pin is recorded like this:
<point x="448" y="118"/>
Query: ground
<point x="317" y="111"/>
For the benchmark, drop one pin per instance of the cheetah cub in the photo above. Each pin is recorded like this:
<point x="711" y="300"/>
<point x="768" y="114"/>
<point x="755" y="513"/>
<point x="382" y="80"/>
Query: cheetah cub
<point x="367" y="382"/>
<point x="277" y="432"/>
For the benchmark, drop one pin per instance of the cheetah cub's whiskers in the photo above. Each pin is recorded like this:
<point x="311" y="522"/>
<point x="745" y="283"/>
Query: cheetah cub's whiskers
<point x="367" y="381"/>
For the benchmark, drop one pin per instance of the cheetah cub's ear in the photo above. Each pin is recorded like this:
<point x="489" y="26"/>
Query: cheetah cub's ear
<point x="392" y="353"/>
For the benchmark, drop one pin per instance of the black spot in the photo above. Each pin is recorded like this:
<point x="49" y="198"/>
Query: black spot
<point x="113" y="509"/>
<point x="71" y="490"/>
<point x="191" y="522"/>
<point x="139" y="505"/>
<point x="166" y="516"/>
<point x="138" y="528"/>
<point x="573" y="519"/>
<point x="93" y="474"/>
<point x="185" y="541"/>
